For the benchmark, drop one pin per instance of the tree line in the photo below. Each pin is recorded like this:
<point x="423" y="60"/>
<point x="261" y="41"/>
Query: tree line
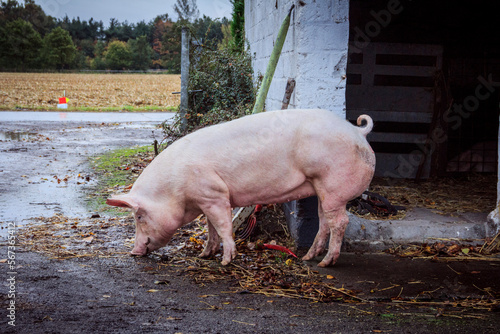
<point x="32" y="40"/>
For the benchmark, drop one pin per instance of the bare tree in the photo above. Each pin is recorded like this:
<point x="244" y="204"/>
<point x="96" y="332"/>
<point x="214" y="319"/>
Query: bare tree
<point x="187" y="10"/>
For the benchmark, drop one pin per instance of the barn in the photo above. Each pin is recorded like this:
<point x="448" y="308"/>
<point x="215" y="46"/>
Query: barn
<point x="427" y="72"/>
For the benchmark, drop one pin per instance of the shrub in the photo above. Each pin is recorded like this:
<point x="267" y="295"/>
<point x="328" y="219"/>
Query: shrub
<point x="227" y="90"/>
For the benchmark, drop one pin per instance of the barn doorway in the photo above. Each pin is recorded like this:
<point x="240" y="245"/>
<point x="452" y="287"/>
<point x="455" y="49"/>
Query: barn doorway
<point x="429" y="74"/>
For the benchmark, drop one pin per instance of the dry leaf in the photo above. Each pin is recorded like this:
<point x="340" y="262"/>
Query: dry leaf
<point x="161" y="282"/>
<point x="88" y="239"/>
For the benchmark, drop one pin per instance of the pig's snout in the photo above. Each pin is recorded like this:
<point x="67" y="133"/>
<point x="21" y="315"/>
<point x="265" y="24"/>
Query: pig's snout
<point x="141" y="250"/>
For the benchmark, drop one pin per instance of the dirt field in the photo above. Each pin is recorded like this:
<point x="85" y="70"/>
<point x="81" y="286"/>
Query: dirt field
<point x="89" y="92"/>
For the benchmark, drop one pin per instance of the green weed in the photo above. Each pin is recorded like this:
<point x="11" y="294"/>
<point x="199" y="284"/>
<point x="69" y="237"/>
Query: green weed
<point x="115" y="171"/>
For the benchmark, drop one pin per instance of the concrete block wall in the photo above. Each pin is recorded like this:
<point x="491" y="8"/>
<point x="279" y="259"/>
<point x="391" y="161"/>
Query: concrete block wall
<point x="314" y="53"/>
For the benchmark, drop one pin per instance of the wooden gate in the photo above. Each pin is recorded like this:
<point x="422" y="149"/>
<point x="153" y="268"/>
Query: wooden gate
<point x="396" y="85"/>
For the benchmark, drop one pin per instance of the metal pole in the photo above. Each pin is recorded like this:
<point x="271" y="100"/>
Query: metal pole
<point x="184" y="77"/>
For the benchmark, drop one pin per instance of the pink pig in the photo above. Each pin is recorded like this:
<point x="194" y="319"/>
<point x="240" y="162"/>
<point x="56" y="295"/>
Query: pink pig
<point x="271" y="157"/>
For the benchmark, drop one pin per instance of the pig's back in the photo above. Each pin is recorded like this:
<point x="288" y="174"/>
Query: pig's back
<point x="268" y="157"/>
<point x="268" y="131"/>
<point x="265" y="156"/>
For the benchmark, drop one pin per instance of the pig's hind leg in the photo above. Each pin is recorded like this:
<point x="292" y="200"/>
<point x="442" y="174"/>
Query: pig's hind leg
<point x="213" y="242"/>
<point x="337" y="221"/>
<point x="333" y="221"/>
<point x="321" y="238"/>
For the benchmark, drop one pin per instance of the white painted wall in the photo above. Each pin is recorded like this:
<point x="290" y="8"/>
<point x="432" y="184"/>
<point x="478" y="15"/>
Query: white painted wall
<point x="314" y="53"/>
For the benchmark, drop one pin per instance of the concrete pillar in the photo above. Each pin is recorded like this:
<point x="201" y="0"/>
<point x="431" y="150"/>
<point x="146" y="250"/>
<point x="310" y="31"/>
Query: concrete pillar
<point x="303" y="221"/>
<point x="493" y="224"/>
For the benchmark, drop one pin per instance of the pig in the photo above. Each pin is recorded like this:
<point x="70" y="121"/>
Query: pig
<point x="480" y="158"/>
<point x="270" y="157"/>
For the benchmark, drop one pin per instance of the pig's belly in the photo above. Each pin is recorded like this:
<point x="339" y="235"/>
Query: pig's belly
<point x="271" y="195"/>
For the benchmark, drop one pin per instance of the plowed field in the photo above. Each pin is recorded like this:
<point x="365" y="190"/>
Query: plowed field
<point x="89" y="92"/>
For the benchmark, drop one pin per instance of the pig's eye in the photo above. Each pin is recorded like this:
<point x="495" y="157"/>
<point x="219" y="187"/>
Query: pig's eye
<point x="139" y="217"/>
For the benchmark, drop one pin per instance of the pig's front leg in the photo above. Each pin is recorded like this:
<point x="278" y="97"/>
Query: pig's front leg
<point x="219" y="217"/>
<point x="213" y="242"/>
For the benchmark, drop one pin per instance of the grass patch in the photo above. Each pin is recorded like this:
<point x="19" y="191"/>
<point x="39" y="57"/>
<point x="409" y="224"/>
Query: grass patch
<point x="116" y="171"/>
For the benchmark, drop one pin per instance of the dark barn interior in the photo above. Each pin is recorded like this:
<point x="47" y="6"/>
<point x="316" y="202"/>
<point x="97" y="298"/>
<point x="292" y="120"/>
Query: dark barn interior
<point x="427" y="73"/>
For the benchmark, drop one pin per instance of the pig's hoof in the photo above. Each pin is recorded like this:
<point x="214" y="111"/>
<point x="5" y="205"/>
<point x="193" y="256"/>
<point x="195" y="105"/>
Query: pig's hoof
<point x="204" y="254"/>
<point x="326" y="263"/>
<point x="225" y="262"/>
<point x="137" y="255"/>
<point x="307" y="257"/>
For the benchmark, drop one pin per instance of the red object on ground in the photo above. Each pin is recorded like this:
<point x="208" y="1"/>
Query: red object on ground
<point x="280" y="248"/>
<point x="252" y="222"/>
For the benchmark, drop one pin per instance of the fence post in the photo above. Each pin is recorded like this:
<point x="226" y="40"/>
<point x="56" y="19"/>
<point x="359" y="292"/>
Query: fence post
<point x="184" y="76"/>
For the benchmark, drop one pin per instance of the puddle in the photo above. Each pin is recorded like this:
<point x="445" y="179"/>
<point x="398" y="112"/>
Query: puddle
<point x="45" y="196"/>
<point x="16" y="135"/>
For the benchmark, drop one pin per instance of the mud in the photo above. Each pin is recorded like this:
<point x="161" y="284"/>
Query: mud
<point x="43" y="171"/>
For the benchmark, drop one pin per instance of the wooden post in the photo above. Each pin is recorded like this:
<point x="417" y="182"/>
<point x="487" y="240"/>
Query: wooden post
<point x="184" y="77"/>
<point x="290" y="86"/>
<point x="155" y="144"/>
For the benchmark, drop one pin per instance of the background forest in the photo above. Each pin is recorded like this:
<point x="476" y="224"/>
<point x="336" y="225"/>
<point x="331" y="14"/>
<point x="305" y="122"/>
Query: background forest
<point x="31" y="40"/>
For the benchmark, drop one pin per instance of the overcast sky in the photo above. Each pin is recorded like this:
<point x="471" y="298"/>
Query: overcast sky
<point x="131" y="10"/>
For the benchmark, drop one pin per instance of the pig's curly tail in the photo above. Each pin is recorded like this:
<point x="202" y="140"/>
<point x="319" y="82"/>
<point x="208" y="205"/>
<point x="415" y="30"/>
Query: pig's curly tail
<point x="369" y="124"/>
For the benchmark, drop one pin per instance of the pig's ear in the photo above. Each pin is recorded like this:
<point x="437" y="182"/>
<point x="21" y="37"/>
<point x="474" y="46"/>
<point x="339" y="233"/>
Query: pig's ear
<point x="123" y="201"/>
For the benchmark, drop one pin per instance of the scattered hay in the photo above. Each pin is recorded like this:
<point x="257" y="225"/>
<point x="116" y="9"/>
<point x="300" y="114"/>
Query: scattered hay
<point x="451" y="250"/>
<point x="447" y="196"/>
<point x="62" y="238"/>
<point x="254" y="270"/>
<point x="257" y="271"/>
